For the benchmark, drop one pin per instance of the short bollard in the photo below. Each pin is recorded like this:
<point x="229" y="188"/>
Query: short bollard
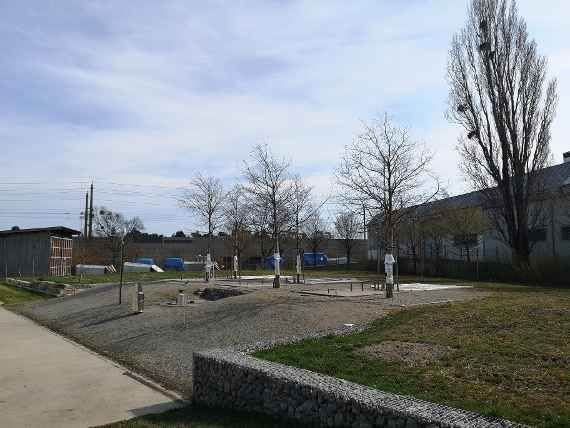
<point x="139" y="299"/>
<point x="181" y="298"/>
<point x="362" y="286"/>
<point x="351" y="287"/>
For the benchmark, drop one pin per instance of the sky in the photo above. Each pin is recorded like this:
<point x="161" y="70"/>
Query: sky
<point x="140" y="96"/>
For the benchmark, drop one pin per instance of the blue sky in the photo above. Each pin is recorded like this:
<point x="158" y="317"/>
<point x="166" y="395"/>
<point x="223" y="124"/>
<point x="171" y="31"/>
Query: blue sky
<point x="140" y="96"/>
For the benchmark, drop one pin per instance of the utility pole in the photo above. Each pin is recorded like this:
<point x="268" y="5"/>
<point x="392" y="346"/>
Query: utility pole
<point x="91" y="213"/>
<point x="364" y="219"/>
<point x="122" y="265"/>
<point x="86" y="215"/>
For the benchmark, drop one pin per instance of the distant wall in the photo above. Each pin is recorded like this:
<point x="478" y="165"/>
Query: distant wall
<point x="98" y="250"/>
<point x="225" y="378"/>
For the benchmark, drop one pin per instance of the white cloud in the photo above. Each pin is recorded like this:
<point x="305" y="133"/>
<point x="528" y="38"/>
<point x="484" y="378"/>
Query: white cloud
<point x="154" y="93"/>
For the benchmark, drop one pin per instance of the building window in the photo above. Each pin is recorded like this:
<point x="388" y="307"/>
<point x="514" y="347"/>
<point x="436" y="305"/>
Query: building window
<point x="566" y="233"/>
<point x="466" y="240"/>
<point x="537" y="234"/>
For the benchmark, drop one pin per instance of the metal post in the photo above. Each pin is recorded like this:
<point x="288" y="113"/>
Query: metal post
<point x="298" y="267"/>
<point x="122" y="268"/>
<point x="91" y="213"/>
<point x="477" y="263"/>
<point x="277" y="261"/>
<point x="5" y="261"/>
<point x="364" y="215"/>
<point x="86" y="216"/>
<point x="397" y="272"/>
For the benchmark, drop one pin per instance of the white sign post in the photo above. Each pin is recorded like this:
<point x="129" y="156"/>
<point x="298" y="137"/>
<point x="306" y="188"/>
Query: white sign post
<point x="208" y="266"/>
<point x="389" y="269"/>
<point x="236" y="266"/>
<point x="299" y="268"/>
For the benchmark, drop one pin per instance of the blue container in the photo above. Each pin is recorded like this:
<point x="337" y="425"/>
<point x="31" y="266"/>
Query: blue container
<point x="315" y="259"/>
<point x="145" y="261"/>
<point x="270" y="262"/>
<point x="174" y="263"/>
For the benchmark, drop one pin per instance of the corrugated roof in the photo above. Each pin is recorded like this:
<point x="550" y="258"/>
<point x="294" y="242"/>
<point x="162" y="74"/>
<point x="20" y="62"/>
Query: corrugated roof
<point x="556" y="176"/>
<point x="552" y="177"/>
<point x="55" y="229"/>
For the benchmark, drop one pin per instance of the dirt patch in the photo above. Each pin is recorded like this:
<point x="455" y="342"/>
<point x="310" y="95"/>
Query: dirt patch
<point x="217" y="293"/>
<point x="414" y="354"/>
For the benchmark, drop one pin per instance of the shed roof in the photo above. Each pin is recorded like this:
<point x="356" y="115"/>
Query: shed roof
<point x="62" y="230"/>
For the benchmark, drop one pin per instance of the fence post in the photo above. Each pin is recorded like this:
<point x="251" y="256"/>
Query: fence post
<point x="477" y="263"/>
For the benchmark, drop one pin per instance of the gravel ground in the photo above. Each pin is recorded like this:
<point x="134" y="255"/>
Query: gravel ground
<point x="159" y="342"/>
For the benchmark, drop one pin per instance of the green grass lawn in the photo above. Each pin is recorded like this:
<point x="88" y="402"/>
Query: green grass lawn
<point x="510" y="355"/>
<point x="10" y="295"/>
<point x="200" y="417"/>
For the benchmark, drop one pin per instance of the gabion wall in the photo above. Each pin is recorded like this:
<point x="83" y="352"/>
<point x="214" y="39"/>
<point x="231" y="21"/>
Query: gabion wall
<point x="230" y="379"/>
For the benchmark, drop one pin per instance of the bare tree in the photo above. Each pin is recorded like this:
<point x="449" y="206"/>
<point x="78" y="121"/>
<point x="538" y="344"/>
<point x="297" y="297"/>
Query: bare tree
<point x="410" y="236"/>
<point x="466" y="224"/>
<point x="433" y="228"/>
<point x="347" y="226"/>
<point x="269" y="185"/>
<point x="116" y="229"/>
<point x="258" y="222"/>
<point x="301" y="210"/>
<point x="205" y="198"/>
<point x="236" y="214"/>
<point x="315" y="231"/>
<point x="500" y="95"/>
<point x="388" y="171"/>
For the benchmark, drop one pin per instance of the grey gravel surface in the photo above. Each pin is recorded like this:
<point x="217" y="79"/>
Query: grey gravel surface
<point x="160" y="341"/>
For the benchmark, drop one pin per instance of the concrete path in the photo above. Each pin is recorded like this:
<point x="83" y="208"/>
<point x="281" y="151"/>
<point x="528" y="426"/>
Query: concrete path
<point x="48" y="381"/>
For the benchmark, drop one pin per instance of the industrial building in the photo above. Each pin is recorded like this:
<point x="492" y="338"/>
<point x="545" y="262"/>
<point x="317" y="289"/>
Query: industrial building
<point x="550" y="238"/>
<point x="32" y="252"/>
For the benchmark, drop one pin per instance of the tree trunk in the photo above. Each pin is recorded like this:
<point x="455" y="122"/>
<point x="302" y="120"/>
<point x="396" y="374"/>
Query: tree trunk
<point x="378" y="262"/>
<point x="276" y="260"/>
<point x="521" y="259"/>
<point x="389" y="252"/>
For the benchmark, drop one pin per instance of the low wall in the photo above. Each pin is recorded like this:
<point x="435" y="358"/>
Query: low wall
<point x="44" y="287"/>
<point x="226" y="378"/>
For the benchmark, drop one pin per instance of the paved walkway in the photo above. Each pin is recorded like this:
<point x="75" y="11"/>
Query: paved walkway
<point x="48" y="381"/>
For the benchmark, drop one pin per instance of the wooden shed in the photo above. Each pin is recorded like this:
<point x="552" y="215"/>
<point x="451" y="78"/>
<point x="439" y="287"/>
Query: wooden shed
<point x="31" y="252"/>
